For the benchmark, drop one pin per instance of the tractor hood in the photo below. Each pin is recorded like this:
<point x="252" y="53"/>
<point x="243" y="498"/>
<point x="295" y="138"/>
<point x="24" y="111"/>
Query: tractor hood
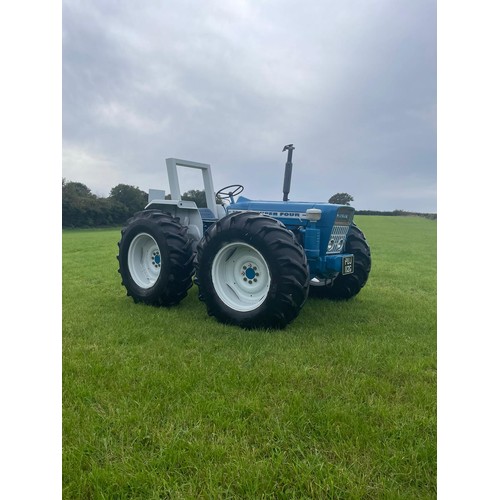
<point x="294" y="212"/>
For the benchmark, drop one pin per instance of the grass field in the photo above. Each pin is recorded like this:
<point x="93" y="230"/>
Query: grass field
<point x="168" y="403"/>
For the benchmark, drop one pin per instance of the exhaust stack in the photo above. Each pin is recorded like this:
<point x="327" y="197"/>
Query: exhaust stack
<point x="288" y="171"/>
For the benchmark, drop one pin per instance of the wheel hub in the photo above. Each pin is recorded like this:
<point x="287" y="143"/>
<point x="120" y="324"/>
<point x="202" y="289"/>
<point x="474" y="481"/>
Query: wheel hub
<point x="250" y="272"/>
<point x="156" y="259"/>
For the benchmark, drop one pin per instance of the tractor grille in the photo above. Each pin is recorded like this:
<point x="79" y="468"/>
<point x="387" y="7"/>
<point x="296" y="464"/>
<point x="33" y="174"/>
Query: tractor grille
<point x="337" y="238"/>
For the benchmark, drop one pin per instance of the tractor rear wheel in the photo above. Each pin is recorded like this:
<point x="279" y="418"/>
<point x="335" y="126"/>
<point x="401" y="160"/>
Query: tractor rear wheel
<point x="251" y="272"/>
<point x="155" y="258"/>
<point x="346" y="286"/>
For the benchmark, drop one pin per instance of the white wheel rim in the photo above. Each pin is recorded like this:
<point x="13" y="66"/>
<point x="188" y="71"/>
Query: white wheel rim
<point x="144" y="260"/>
<point x="240" y="276"/>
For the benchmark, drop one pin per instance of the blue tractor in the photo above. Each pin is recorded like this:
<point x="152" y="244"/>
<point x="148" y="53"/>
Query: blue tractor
<point x="254" y="262"/>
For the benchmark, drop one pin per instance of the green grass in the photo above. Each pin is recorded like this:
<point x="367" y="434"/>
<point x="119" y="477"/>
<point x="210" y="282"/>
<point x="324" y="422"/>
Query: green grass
<point x="168" y="403"/>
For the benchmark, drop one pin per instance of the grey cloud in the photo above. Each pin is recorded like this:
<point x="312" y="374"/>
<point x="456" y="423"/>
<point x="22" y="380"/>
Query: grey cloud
<point x="353" y="85"/>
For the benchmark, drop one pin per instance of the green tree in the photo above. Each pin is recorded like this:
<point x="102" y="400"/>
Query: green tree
<point x="130" y="196"/>
<point x="341" y="199"/>
<point x="76" y="200"/>
<point x="81" y="208"/>
<point x="197" y="196"/>
<point x="75" y="190"/>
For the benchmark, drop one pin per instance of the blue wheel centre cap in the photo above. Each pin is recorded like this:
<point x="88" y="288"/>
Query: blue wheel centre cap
<point x="250" y="273"/>
<point x="157" y="259"/>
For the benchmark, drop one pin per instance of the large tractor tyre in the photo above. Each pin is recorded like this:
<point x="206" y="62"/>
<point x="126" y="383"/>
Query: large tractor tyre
<point x="346" y="286"/>
<point x="251" y="272"/>
<point x="155" y="258"/>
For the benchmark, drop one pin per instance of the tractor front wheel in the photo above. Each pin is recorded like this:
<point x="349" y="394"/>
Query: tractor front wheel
<point x="251" y="272"/>
<point x="346" y="286"/>
<point x="155" y="258"/>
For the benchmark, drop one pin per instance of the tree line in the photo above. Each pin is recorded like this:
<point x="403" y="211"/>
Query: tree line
<point x="81" y="208"/>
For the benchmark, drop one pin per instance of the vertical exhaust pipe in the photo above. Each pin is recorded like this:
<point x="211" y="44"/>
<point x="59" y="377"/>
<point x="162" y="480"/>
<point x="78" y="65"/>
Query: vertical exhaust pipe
<point x="288" y="171"/>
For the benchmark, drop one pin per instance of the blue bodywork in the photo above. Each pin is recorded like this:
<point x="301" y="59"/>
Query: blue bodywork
<point x="314" y="236"/>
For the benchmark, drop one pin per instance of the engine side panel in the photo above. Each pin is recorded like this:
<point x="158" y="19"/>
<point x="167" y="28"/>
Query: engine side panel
<point x="293" y="215"/>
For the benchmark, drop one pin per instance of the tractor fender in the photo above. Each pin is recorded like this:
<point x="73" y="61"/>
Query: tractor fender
<point x="188" y="213"/>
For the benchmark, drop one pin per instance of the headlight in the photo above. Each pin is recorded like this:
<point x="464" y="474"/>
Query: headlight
<point x="337" y="239"/>
<point x="335" y="245"/>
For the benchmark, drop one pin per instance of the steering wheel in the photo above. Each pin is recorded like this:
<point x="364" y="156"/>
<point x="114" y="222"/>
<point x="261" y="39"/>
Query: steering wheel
<point x="223" y="194"/>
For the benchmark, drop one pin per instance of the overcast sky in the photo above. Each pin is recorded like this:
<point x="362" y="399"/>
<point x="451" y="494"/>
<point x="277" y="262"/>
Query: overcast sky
<point x="352" y="84"/>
